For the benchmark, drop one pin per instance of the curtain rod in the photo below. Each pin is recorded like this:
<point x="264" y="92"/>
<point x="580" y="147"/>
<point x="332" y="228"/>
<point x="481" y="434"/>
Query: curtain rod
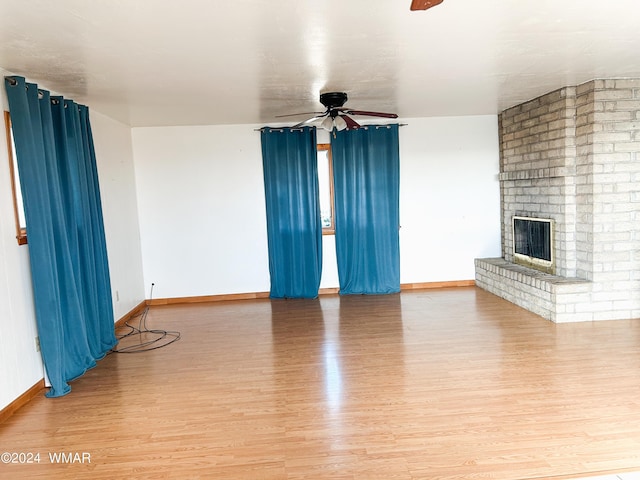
<point x="281" y="129"/>
<point x="277" y="129"/>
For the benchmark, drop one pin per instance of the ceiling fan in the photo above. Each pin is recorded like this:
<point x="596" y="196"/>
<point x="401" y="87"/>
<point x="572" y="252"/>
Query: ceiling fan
<point x="424" y="4"/>
<point x="336" y="115"/>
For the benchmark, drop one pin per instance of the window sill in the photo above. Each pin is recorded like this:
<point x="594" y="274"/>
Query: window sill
<point x="22" y="238"/>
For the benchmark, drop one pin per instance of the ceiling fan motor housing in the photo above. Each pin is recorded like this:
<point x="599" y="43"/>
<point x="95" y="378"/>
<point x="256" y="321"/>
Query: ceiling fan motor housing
<point x="333" y="99"/>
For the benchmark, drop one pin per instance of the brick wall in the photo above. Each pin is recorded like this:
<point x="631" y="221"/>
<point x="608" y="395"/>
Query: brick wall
<point x="538" y="161"/>
<point x="573" y="155"/>
<point x="610" y="183"/>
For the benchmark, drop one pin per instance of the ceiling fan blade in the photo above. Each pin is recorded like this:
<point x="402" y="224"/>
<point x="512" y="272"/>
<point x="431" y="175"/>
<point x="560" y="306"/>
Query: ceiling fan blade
<point x="371" y="114"/>
<point x="309" y="120"/>
<point x="300" y="113"/>
<point x="424" y="4"/>
<point x="351" y="123"/>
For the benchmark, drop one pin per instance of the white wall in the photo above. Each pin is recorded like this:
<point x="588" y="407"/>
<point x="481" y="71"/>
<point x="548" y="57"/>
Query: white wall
<point x="449" y="197"/>
<point x="116" y="174"/>
<point x="201" y="208"/>
<point x="20" y="363"/>
<point x="202" y="214"/>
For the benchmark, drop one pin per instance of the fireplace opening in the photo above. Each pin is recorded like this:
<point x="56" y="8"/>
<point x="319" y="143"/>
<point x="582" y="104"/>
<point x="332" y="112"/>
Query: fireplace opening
<point x="533" y="243"/>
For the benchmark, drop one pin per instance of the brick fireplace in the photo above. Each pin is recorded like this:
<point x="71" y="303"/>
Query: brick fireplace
<point x="573" y="156"/>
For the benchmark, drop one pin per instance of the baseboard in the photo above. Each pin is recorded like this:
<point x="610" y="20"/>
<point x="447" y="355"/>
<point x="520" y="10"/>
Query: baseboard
<point x="208" y="298"/>
<point x="329" y="291"/>
<point x="448" y="284"/>
<point x="132" y="314"/>
<point x="22" y="400"/>
<point x="322" y="291"/>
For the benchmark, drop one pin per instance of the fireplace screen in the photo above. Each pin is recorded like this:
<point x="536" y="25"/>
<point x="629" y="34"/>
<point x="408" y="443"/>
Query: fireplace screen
<point x="533" y="241"/>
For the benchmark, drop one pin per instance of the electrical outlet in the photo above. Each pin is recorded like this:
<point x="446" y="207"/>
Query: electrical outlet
<point x="37" y="344"/>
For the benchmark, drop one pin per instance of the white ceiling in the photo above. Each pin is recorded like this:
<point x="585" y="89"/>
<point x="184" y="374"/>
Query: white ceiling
<point x="189" y="62"/>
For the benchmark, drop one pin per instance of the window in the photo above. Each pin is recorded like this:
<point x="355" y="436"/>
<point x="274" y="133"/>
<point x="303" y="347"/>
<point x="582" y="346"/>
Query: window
<point x="18" y="208"/>
<point x="325" y="180"/>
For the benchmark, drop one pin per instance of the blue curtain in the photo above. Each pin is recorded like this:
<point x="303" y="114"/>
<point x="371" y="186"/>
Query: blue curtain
<point x="290" y="166"/>
<point x="366" y="173"/>
<point x="63" y="213"/>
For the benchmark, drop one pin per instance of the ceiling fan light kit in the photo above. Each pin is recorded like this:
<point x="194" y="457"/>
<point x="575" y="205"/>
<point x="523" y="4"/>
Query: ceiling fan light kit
<point x="330" y="122"/>
<point x="339" y="123"/>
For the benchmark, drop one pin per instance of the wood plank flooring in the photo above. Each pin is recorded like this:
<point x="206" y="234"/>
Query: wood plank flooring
<point x="427" y="384"/>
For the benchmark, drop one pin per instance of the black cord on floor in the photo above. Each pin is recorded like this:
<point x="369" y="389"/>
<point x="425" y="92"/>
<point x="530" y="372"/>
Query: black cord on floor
<point x="146" y="345"/>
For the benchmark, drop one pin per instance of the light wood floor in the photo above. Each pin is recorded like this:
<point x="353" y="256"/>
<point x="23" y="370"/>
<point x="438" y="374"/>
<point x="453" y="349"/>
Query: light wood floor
<point x="432" y="384"/>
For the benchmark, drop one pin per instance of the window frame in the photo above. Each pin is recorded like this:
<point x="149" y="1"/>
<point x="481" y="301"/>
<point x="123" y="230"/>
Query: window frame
<point x="326" y="147"/>
<point x="21" y="232"/>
